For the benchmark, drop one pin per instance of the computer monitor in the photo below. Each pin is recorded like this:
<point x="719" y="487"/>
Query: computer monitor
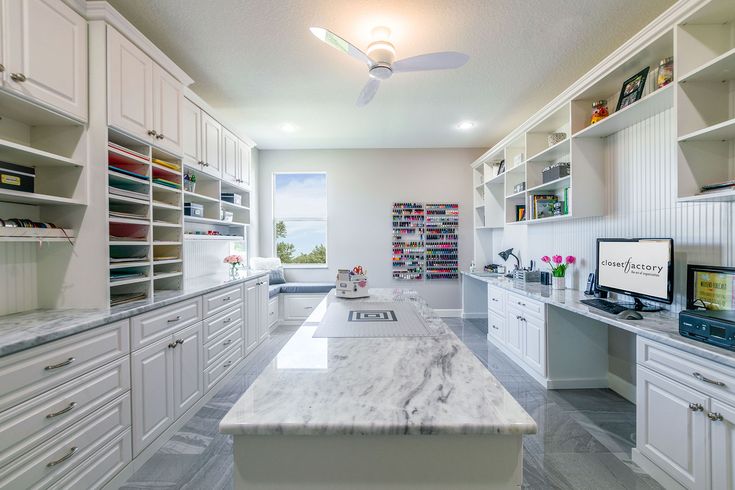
<point x="642" y="268"/>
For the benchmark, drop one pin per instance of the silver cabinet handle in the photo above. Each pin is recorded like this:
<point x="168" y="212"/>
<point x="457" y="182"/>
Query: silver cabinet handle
<point x="227" y="364"/>
<point x="179" y="341"/>
<point x="227" y="320"/>
<point x="69" y="408"/>
<point x="226" y="299"/>
<point x="522" y="304"/>
<point x="714" y="416"/>
<point x="696" y="407"/>
<point x="160" y="136"/>
<point x="151" y="132"/>
<point x="68" y="455"/>
<point x="495" y="299"/>
<point x="17" y="77"/>
<point x="200" y="163"/>
<point x="707" y="380"/>
<point x="2" y="68"/>
<point x="60" y="365"/>
<point x="178" y="317"/>
<point x="172" y="345"/>
<point x="308" y="307"/>
<point x="227" y="342"/>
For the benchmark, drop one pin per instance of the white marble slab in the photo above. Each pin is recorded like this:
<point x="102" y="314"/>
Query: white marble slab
<point x="31" y="328"/>
<point x="660" y="326"/>
<point x="387" y="386"/>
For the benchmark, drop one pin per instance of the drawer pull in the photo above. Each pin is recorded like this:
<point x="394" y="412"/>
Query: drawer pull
<point x="227" y="364"/>
<point x="69" y="408"/>
<point x="494" y="299"/>
<point x="696" y="407"/>
<point x="714" y="416"/>
<point x="226" y="299"/>
<point x="227" y="342"/>
<point x="178" y="317"/>
<point x="308" y="307"/>
<point x="707" y="380"/>
<point x="227" y="320"/>
<point x="522" y="304"/>
<point x="17" y="77"/>
<point x="68" y="455"/>
<point x="60" y="365"/>
<point x="172" y="345"/>
<point x="179" y="341"/>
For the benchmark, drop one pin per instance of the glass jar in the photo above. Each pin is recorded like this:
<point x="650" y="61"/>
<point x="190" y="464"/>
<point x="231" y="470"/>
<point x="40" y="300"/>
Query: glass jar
<point x="665" y="72"/>
<point x="599" y="111"/>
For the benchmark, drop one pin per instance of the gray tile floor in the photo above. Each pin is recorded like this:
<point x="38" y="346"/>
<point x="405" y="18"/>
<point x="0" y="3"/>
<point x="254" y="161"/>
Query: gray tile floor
<point x="584" y="438"/>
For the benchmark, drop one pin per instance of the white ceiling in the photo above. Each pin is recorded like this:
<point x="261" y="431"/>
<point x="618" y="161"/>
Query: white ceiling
<point x="256" y="62"/>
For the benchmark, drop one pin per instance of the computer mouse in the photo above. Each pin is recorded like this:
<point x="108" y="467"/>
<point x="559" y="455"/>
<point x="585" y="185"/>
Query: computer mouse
<point x="629" y="315"/>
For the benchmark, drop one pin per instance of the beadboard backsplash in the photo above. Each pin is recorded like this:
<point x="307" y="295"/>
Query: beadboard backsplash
<point x="204" y="258"/>
<point x="641" y="202"/>
<point x="18" y="277"/>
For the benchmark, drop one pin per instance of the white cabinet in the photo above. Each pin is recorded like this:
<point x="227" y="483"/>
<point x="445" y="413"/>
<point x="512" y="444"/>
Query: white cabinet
<point x="230" y="157"/>
<point x="250" y="325"/>
<point x="192" y="134"/>
<point x="245" y="154"/>
<point x="45" y="54"/>
<point x="168" y="101"/>
<point x="514" y="330"/>
<point x="188" y="369"/>
<point x="262" y="309"/>
<point x="723" y="437"/>
<point x="534" y="343"/>
<point x="211" y="145"/>
<point x="153" y="392"/>
<point x="143" y="99"/>
<point x="496" y="326"/>
<point x="272" y="312"/>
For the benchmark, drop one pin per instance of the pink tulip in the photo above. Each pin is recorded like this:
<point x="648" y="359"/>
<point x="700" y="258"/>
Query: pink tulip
<point x="571" y="259"/>
<point x="546" y="259"/>
<point x="557" y="259"/>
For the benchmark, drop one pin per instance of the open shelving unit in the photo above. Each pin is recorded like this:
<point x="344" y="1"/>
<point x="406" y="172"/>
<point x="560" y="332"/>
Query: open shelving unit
<point x="145" y="219"/>
<point x="408" y="241"/>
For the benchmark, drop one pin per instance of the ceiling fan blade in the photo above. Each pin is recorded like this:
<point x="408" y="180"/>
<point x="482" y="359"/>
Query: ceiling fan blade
<point x="444" y="60"/>
<point x="368" y="92"/>
<point x="340" y="44"/>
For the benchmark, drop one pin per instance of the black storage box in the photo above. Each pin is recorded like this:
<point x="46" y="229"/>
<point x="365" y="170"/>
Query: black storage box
<point x="193" y="209"/>
<point x="231" y="197"/>
<point x="16" y="177"/>
<point x="555" y="172"/>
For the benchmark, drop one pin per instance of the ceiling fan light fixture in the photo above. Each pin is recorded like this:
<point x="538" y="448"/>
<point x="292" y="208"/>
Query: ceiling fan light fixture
<point x="466" y="125"/>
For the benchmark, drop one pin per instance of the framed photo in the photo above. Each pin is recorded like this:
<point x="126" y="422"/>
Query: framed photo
<point x="632" y="89"/>
<point x="501" y="167"/>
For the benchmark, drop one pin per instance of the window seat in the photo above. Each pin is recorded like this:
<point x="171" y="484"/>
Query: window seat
<point x="300" y="288"/>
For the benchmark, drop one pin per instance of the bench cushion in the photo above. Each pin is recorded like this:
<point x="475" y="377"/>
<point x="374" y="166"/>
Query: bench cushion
<point x="273" y="290"/>
<point x="307" y="287"/>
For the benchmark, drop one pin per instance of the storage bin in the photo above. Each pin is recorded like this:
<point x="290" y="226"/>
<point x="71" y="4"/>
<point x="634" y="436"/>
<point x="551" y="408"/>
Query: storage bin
<point x="17" y="177"/>
<point x="193" y="209"/>
<point x="555" y="172"/>
<point x="232" y="198"/>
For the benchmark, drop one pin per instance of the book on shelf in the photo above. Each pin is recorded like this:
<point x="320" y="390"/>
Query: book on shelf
<point x="520" y="212"/>
<point x="718" y="186"/>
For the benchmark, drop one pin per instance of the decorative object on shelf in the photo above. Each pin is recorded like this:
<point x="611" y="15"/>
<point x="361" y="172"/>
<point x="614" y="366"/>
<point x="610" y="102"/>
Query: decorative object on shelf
<point x="17" y="177"/>
<point x="555" y="138"/>
<point x="193" y="209"/>
<point x="232" y="198"/>
<point x="227" y="216"/>
<point x="559" y="267"/>
<point x="665" y="72"/>
<point x="599" y="111"/>
<point x="190" y="181"/>
<point x="555" y="171"/>
<point x="520" y="212"/>
<point x="235" y="261"/>
<point x="543" y="205"/>
<point x="518" y="159"/>
<point x="501" y="167"/>
<point x="632" y="89"/>
<point x="15" y="229"/>
<point x="520" y="187"/>
<point x="352" y="283"/>
<point x="718" y="186"/>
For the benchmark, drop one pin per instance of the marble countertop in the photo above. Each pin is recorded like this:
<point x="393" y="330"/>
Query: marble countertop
<point x="21" y="331"/>
<point x="661" y="326"/>
<point x="390" y="386"/>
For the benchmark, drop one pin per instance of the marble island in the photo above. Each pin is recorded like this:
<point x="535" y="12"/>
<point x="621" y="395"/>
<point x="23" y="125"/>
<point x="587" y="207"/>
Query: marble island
<point x="341" y="406"/>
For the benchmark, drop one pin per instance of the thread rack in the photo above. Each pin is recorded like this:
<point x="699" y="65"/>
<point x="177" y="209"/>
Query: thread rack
<point x="441" y="241"/>
<point x="408" y="241"/>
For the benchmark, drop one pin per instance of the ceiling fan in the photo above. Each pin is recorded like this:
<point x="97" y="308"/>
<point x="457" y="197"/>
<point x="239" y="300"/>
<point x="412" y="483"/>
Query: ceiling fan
<point x="380" y="56"/>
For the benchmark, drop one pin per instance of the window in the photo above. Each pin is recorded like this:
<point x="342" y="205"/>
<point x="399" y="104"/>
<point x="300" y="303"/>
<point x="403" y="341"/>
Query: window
<point x="300" y="218"/>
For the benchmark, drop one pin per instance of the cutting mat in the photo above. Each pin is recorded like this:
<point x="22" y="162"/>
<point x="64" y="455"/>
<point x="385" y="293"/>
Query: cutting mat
<point x="371" y="320"/>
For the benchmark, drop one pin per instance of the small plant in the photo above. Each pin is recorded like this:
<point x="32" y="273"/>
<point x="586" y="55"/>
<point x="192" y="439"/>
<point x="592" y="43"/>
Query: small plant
<point x="558" y="264"/>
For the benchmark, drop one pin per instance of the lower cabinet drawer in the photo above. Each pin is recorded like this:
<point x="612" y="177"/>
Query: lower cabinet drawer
<point x="297" y="307"/>
<point x="272" y="311"/>
<point x="219" y="345"/>
<point x="29" y="424"/>
<point x="221" y="300"/>
<point x="496" y="299"/>
<point x="162" y="322"/>
<point x="216" y="324"/>
<point x="34" y="371"/>
<point x="527" y="306"/>
<point x="59" y="455"/>
<point x="97" y="470"/>
<point x="496" y="326"/>
<point x="224" y="365"/>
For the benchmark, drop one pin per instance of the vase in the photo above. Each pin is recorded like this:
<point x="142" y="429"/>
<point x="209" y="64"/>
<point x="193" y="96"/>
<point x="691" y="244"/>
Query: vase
<point x="558" y="283"/>
<point x="233" y="272"/>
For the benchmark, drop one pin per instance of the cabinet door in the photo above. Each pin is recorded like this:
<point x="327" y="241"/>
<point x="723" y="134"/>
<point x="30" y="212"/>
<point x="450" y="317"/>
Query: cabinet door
<point x="129" y="87"/>
<point x="192" y="134"/>
<point x="153" y="392"/>
<point x="534" y="343"/>
<point x="252" y="296"/>
<point x="514" y="331"/>
<point x="723" y="446"/>
<point x="168" y="99"/>
<point x="230" y="154"/>
<point x="671" y="427"/>
<point x="211" y="145"/>
<point x="47" y="54"/>
<point x="188" y="369"/>
<point x="262" y="310"/>
<point x="244" y="165"/>
<point x="496" y="326"/>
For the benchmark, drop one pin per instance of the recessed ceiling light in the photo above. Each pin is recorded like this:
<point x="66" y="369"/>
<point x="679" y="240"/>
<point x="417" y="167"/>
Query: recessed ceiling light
<point x="465" y="125"/>
<point x="288" y="128"/>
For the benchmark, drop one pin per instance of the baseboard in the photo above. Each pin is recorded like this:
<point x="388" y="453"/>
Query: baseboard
<point x="448" y="313"/>
<point x="472" y="316"/>
<point x="621" y="387"/>
<point x="655" y="472"/>
<point x="576" y="383"/>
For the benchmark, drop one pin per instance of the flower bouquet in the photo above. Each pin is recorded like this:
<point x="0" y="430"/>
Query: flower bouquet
<point x="559" y="267"/>
<point x="235" y="261"/>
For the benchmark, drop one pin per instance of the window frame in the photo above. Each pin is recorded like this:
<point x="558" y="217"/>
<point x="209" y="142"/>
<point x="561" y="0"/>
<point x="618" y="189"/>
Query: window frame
<point x="325" y="220"/>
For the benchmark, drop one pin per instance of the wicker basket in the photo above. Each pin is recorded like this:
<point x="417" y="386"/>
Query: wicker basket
<point x="555" y="138"/>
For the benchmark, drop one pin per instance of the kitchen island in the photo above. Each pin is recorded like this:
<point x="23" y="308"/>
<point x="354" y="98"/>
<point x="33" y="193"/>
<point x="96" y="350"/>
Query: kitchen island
<point x="382" y="412"/>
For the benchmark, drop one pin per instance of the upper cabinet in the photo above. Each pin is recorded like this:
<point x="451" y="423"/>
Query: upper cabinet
<point x="230" y="157"/>
<point x="45" y="54"/>
<point x="244" y="164"/>
<point x="192" y="134"/>
<point x="143" y="99"/>
<point x="211" y="145"/>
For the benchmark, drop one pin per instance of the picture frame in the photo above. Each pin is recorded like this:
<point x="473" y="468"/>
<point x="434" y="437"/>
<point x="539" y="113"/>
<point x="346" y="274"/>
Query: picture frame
<point x="501" y="167"/>
<point x="632" y="89"/>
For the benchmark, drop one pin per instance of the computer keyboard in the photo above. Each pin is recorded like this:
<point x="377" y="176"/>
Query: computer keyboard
<point x="604" y="305"/>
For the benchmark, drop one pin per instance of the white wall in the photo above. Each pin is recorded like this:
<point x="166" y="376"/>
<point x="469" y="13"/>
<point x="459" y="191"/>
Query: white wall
<point x="361" y="188"/>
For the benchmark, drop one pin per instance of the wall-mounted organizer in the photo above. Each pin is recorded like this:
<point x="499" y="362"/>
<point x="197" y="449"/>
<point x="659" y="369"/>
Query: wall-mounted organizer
<point x="441" y="240"/>
<point x="145" y="219"/>
<point x="408" y="241"/>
